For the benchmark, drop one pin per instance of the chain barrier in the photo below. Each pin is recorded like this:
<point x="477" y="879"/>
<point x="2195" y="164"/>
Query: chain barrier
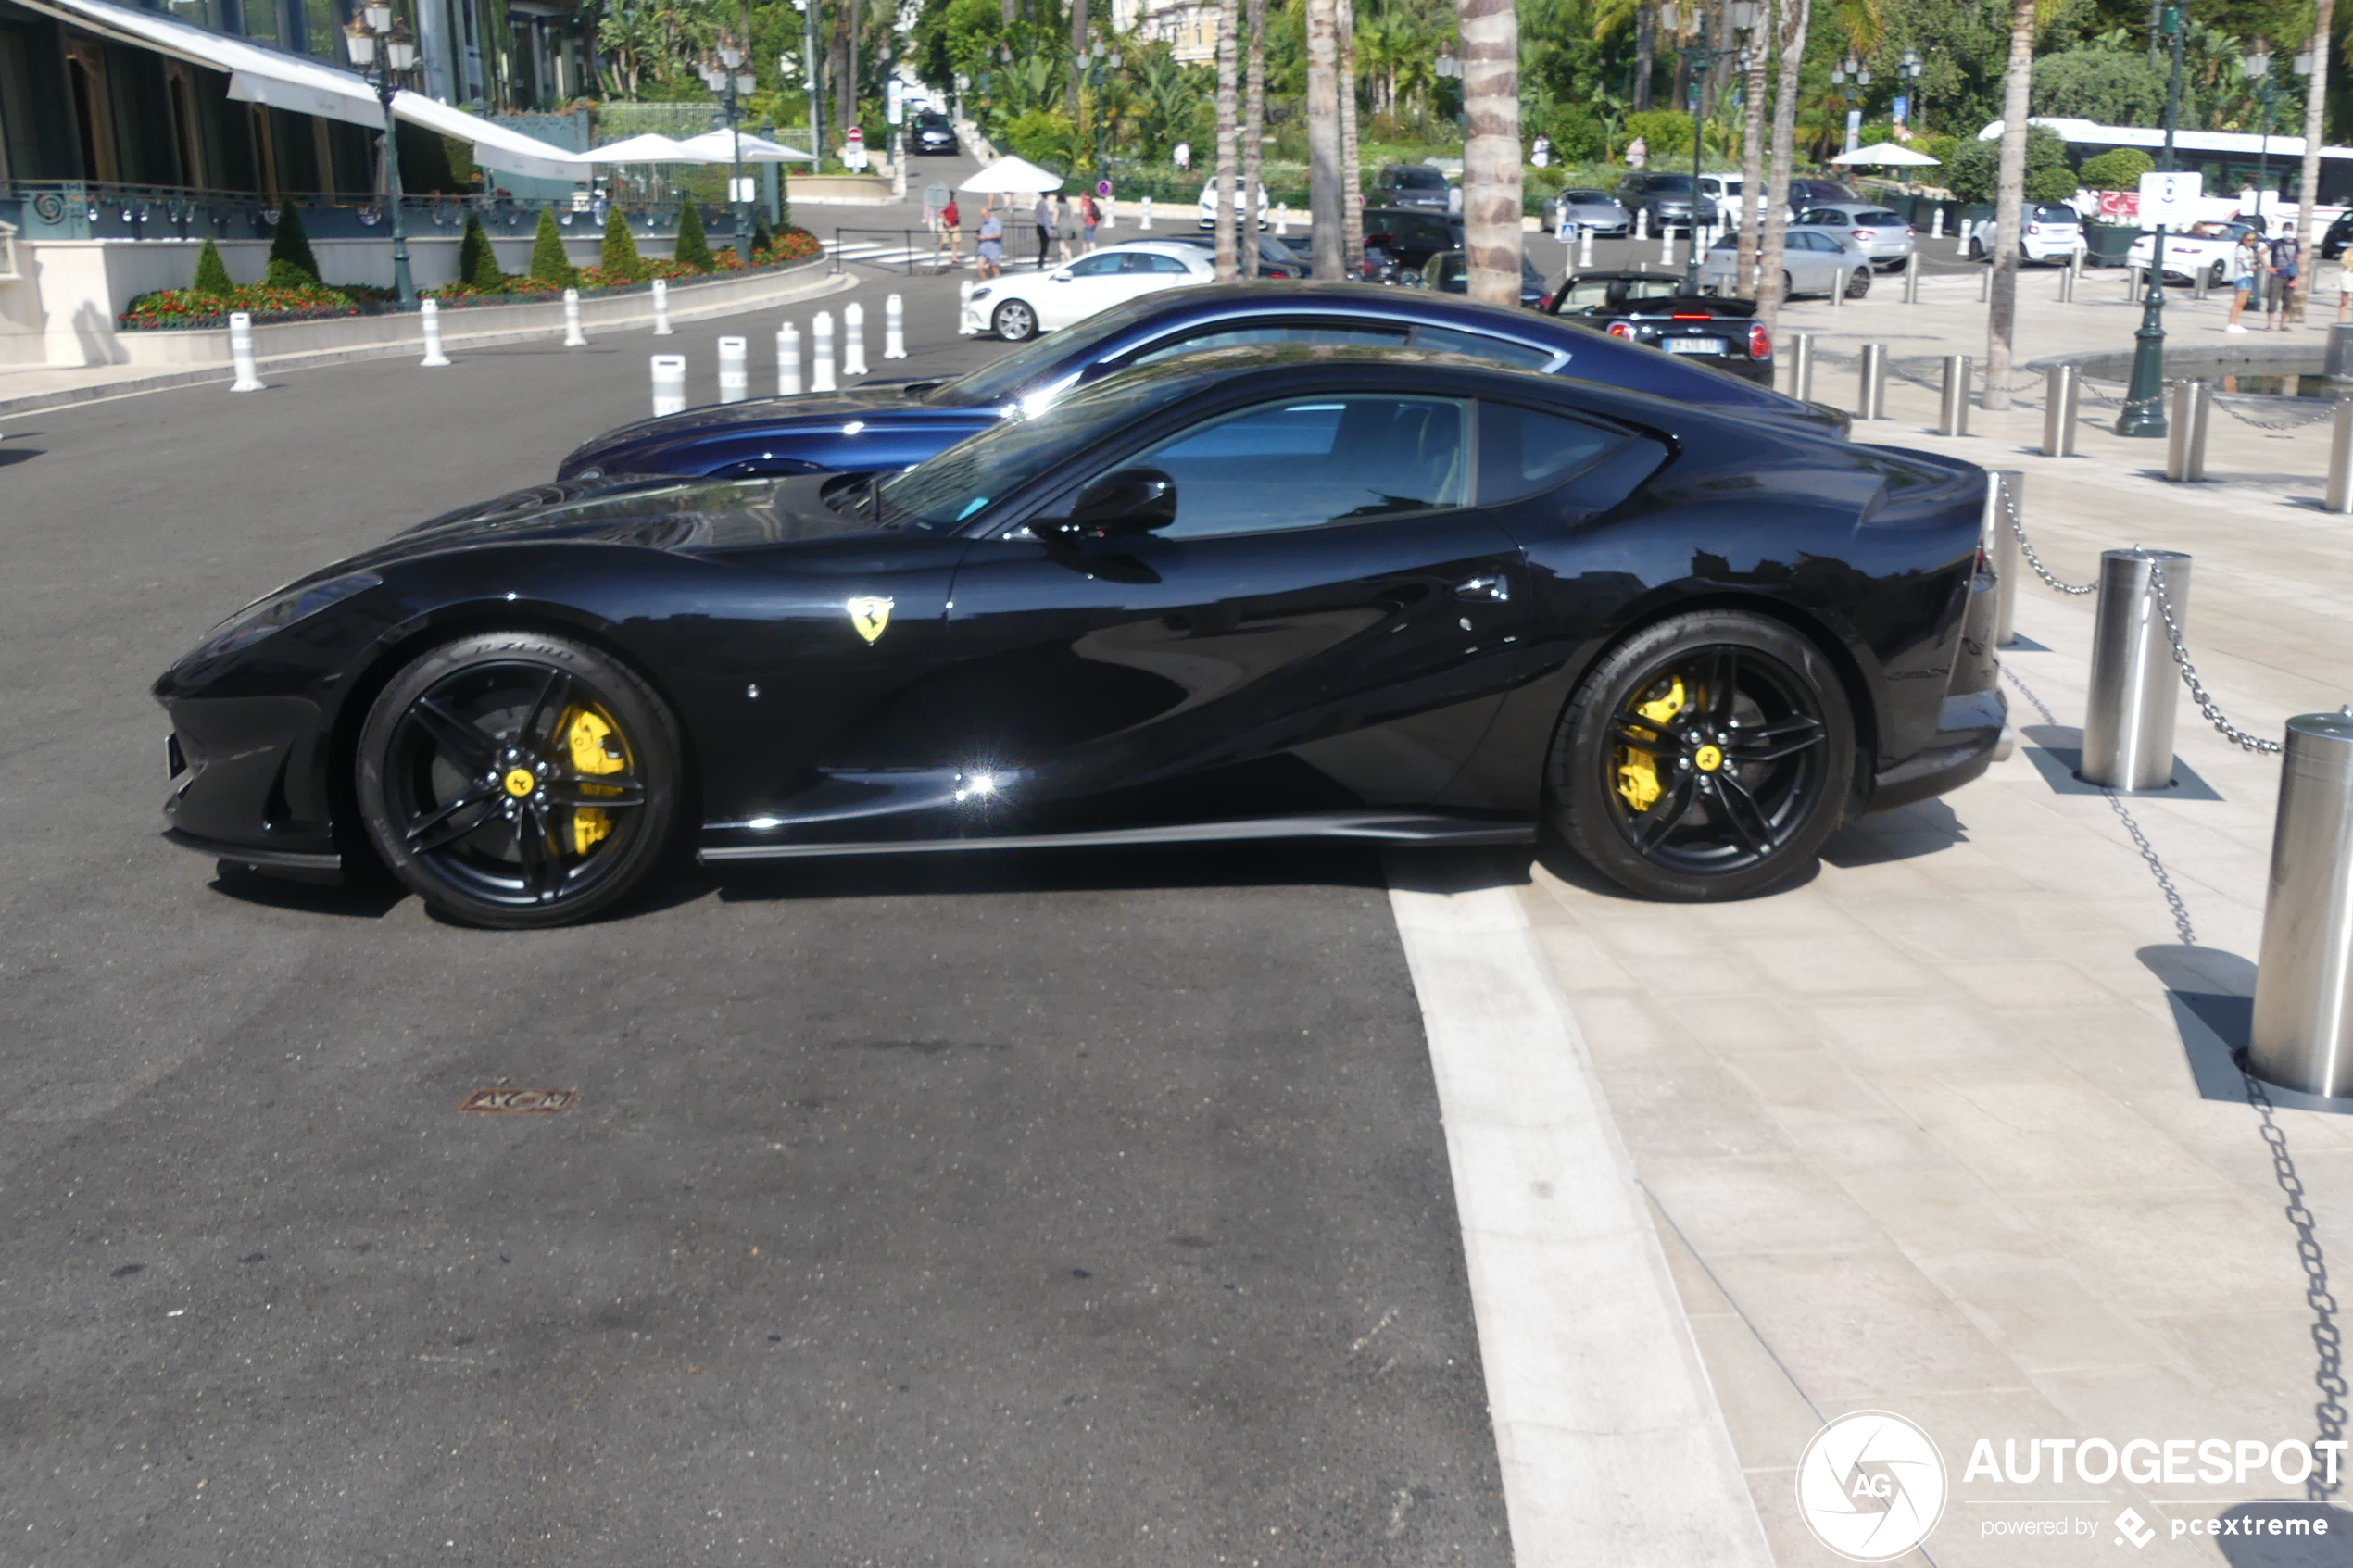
<point x="2328" y="1340"/>
<point x="2327" y="411"/>
<point x="2026" y="548"/>
<point x="2206" y="705"/>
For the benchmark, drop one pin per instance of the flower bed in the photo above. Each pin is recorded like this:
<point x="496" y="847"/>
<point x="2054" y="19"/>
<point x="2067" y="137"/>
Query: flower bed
<point x="170" y="309"/>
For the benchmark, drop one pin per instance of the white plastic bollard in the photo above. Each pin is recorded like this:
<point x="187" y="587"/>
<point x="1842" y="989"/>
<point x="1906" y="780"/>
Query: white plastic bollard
<point x="1936" y="224"/>
<point x="821" y="353"/>
<point x="1667" y="242"/>
<point x="1643" y="225"/>
<point x="1585" y="248"/>
<point x="853" y="348"/>
<point x="1282" y="222"/>
<point x="788" y="360"/>
<point x="963" y="309"/>
<point x="894" y="329"/>
<point x="429" y="312"/>
<point x="661" y="308"/>
<point x="735" y="371"/>
<point x="1148" y="214"/>
<point x="573" y="338"/>
<point x="669" y="383"/>
<point x="241" y="353"/>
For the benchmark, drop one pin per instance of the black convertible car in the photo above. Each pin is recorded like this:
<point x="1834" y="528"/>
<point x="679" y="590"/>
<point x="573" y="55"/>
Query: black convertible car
<point x="1253" y="594"/>
<point x="1652" y="308"/>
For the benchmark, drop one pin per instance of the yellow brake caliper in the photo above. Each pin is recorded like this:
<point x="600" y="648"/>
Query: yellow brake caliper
<point x="1638" y="771"/>
<point x="596" y="748"/>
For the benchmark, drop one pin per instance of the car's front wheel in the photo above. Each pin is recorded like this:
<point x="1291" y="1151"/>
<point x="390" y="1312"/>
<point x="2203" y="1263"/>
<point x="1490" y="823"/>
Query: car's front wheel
<point x="1014" y="321"/>
<point x="1704" y="758"/>
<point x="1858" y="283"/>
<point x="514" y="779"/>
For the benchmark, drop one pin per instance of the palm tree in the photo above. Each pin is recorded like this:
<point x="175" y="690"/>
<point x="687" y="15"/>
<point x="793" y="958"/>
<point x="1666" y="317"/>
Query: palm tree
<point x="1352" y="175"/>
<point x="1227" y="29"/>
<point x="1490" y="148"/>
<point x="1753" y="155"/>
<point x="1253" y="127"/>
<point x="1078" y="52"/>
<point x="1324" y="201"/>
<point x="1792" y="18"/>
<point x="2010" y="201"/>
<point x="2308" y="192"/>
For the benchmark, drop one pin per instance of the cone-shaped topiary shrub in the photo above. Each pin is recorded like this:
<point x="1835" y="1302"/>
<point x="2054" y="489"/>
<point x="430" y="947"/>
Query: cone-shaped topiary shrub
<point x="290" y="245"/>
<point x="212" y="273"/>
<point x="549" y="265"/>
<point x="620" y="258"/>
<point x="477" y="263"/>
<point x="693" y="249"/>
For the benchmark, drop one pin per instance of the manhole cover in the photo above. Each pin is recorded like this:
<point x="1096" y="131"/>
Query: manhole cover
<point x="520" y="1102"/>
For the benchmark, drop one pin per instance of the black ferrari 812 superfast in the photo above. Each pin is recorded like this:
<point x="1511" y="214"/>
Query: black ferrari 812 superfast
<point x="1256" y="592"/>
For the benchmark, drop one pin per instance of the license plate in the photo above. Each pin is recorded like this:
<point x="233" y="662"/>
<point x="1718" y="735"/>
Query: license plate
<point x="1694" y="346"/>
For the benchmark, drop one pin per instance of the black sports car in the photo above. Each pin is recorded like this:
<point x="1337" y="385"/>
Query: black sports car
<point x="1652" y="308"/>
<point x="890" y="424"/>
<point x="1257" y="593"/>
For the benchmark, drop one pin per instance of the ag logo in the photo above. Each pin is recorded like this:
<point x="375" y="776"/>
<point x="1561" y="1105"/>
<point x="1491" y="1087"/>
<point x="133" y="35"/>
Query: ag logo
<point x="870" y="616"/>
<point x="1871" y="1485"/>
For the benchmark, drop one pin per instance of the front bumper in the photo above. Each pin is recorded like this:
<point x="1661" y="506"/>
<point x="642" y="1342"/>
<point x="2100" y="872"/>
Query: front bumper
<point x="247" y="782"/>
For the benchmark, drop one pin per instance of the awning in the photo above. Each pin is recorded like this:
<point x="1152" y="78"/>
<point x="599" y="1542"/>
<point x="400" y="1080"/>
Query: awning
<point x="259" y="74"/>
<point x="648" y="148"/>
<point x="719" y="147"/>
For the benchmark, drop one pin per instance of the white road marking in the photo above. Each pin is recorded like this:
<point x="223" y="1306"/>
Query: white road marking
<point x="1613" y="1447"/>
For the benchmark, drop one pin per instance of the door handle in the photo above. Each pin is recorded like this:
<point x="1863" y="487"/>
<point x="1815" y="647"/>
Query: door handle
<point x="1488" y="590"/>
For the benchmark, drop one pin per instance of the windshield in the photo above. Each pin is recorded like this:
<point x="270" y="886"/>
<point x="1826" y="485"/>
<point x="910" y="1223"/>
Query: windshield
<point x="1594" y="198"/>
<point x="1420" y="179"/>
<point x="1003" y="380"/>
<point x="1670" y="183"/>
<point x="941" y="493"/>
<point x="1877" y="215"/>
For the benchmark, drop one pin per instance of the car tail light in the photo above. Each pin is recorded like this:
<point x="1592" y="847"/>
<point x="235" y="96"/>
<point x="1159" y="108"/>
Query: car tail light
<point x="1689" y="316"/>
<point x="1867" y="234"/>
<point x="1622" y="329"/>
<point x="1761" y="342"/>
<point x="1545" y="300"/>
<point x="2034" y="228"/>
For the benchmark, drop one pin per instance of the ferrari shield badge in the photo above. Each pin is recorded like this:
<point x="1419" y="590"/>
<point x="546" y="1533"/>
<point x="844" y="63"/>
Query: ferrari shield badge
<point x="870" y="616"/>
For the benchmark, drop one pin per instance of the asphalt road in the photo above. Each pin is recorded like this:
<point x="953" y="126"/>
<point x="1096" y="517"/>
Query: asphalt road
<point x="1035" y="1210"/>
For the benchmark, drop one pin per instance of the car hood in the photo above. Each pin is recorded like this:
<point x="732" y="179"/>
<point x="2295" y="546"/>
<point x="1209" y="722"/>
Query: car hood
<point x="694" y="517"/>
<point x="803" y="411"/>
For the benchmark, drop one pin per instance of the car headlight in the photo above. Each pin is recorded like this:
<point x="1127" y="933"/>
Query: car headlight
<point x="266" y="617"/>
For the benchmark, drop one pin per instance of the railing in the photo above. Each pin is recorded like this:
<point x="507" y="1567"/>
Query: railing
<point x="90" y="210"/>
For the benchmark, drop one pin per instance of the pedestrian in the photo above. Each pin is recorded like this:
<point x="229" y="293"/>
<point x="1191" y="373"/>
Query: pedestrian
<point x="2287" y="259"/>
<point x="950" y="239"/>
<point x="1638" y="153"/>
<point x="2246" y="271"/>
<point x="1065" y="227"/>
<point x="1088" y="217"/>
<point x="2343" y="290"/>
<point x="1183" y="157"/>
<point x="988" y="249"/>
<point x="1542" y="157"/>
<point x="1044" y="218"/>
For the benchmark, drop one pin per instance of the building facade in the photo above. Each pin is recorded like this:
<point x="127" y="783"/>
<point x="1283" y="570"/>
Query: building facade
<point x="1187" y="27"/>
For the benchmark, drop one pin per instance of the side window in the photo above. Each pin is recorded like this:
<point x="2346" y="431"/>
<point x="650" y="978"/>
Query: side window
<point x="1304" y="462"/>
<point x="1519" y="356"/>
<point x="1100" y="265"/>
<point x="1522" y="450"/>
<point x="1155" y="262"/>
<point x="1276" y="332"/>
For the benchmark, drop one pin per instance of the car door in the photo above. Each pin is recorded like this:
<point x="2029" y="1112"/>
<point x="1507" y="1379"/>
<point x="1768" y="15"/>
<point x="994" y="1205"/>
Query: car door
<point x="1076" y="292"/>
<point x="1329" y="621"/>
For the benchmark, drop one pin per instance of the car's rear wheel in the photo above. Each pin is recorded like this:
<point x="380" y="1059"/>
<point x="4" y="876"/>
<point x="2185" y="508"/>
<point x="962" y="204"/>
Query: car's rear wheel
<point x="1014" y="321"/>
<point x="1704" y="758"/>
<point x="2217" y="276"/>
<point x="1976" y="248"/>
<point x="514" y="779"/>
<point x="1789" y="286"/>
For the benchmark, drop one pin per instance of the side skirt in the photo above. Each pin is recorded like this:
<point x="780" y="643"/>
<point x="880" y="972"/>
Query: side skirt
<point x="1386" y="826"/>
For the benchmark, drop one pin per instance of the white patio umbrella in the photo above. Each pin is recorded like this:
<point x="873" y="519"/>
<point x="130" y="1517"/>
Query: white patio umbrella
<point x="1011" y="176"/>
<point x="1886" y="154"/>
<point x="648" y="148"/>
<point x="718" y="146"/>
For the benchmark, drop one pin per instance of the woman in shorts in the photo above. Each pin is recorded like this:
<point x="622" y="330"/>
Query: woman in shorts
<point x="988" y="254"/>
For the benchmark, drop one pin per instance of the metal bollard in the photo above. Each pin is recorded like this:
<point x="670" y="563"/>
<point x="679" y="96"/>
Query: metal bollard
<point x="735" y="372"/>
<point x="2005" y="494"/>
<point x="1985" y="285"/>
<point x="2338" y="363"/>
<point x="2197" y="283"/>
<point x="2339" y="497"/>
<point x="788" y="360"/>
<point x="894" y="329"/>
<point x="963" y="309"/>
<point x="2128" y="720"/>
<point x="2061" y="390"/>
<point x="1148" y="213"/>
<point x="821" y="353"/>
<point x="429" y="312"/>
<point x="241" y="353"/>
<point x="1952" y="417"/>
<point x="1912" y="278"/>
<point x="853" y="349"/>
<point x="2302" y="1036"/>
<point x="1838" y="291"/>
<point x="669" y="383"/>
<point x="2067" y="285"/>
<point x="1585" y="249"/>
<point x="2185" y="435"/>
<point x="1801" y="367"/>
<point x="1871" y="401"/>
<point x="661" y="308"/>
<point x="574" y="337"/>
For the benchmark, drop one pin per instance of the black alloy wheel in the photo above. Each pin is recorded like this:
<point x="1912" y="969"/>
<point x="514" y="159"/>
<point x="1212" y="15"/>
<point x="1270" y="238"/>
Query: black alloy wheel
<point x="1705" y="757"/>
<point x="1976" y="248"/>
<point x="1858" y="282"/>
<point x="1014" y="321"/>
<point x="518" y="780"/>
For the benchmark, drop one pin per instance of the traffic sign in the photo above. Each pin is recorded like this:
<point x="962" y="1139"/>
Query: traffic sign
<point x="2171" y="197"/>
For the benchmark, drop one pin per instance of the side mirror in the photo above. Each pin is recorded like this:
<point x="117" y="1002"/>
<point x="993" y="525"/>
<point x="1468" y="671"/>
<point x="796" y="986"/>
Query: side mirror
<point x="1122" y="504"/>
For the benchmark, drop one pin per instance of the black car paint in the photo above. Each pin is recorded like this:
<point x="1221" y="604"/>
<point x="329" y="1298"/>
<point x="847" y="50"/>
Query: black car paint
<point x="1146" y="685"/>
<point x="890" y="424"/>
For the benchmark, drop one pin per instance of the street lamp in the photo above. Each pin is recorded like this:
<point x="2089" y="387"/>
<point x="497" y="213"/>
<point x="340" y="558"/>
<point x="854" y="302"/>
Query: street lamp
<point x="2143" y="412"/>
<point x="1093" y="67"/>
<point x="813" y="77"/>
<point x="722" y="72"/>
<point x="398" y="56"/>
<point x="1849" y="78"/>
<point x="2257" y="64"/>
<point x="1702" y="55"/>
<point x="1909" y="67"/>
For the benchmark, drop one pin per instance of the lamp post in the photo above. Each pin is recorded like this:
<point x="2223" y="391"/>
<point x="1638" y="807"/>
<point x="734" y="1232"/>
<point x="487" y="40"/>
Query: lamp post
<point x="2143" y="412"/>
<point x="1702" y="56"/>
<point x="1093" y="68"/>
<point x="383" y="49"/>
<point x="812" y="76"/>
<point x="722" y="72"/>
<point x="1850" y="77"/>
<point x="1450" y="69"/>
<point x="1909" y="67"/>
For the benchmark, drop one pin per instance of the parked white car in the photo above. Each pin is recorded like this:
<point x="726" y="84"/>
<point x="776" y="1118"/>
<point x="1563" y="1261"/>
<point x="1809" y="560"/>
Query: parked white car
<point x="1241" y="196"/>
<point x="2054" y="233"/>
<point x="1017" y="308"/>
<point x="2208" y="247"/>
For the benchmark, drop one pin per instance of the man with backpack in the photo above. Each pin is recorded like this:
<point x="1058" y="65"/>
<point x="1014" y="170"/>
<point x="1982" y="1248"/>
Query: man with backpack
<point x="2287" y="256"/>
